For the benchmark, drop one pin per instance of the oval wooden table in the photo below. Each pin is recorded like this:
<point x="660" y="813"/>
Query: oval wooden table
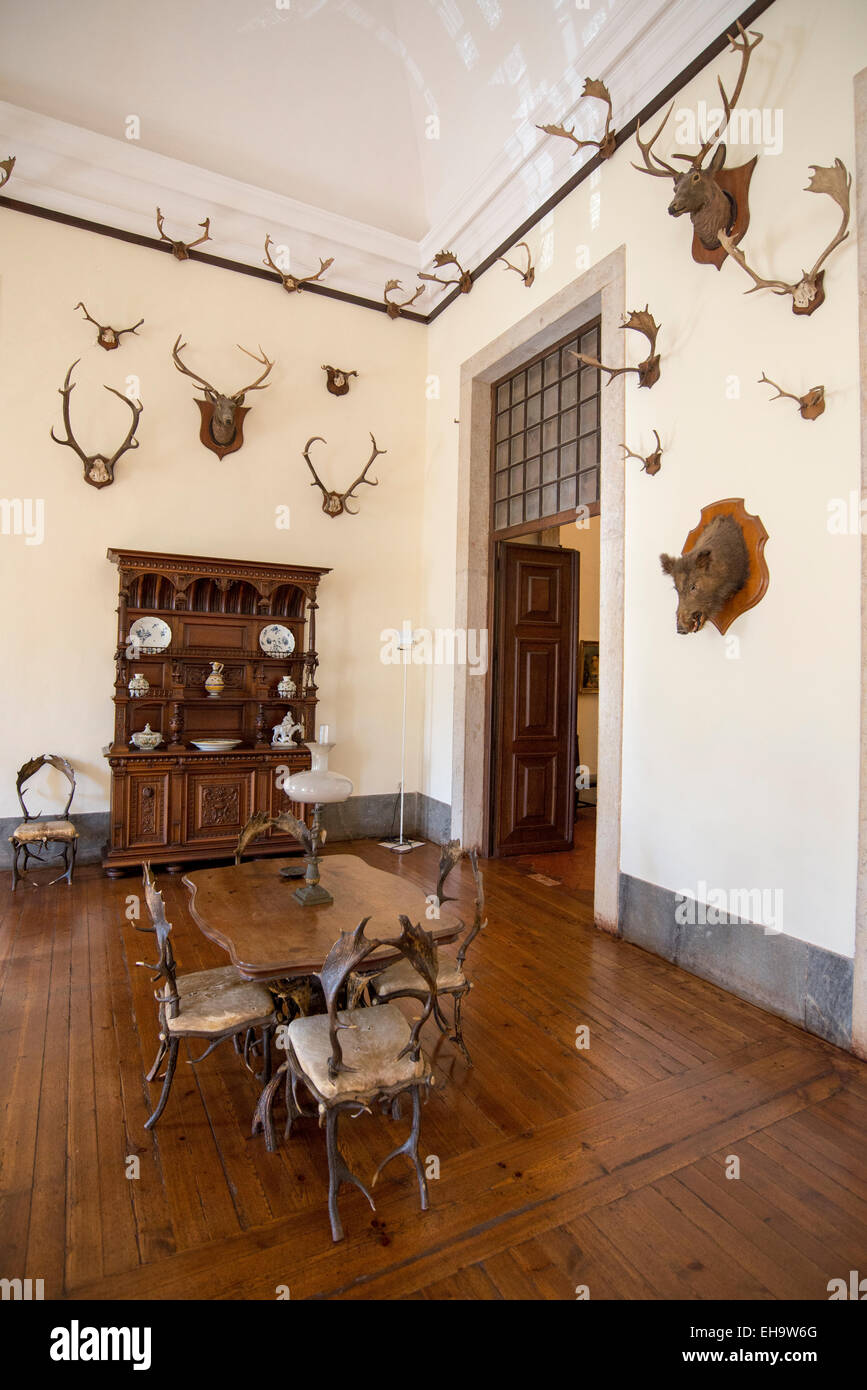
<point x="250" y="911"/>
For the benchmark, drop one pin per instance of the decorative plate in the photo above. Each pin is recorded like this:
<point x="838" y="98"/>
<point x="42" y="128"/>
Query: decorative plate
<point x="152" y="633"/>
<point x="276" y="640"/>
<point x="215" y="745"/>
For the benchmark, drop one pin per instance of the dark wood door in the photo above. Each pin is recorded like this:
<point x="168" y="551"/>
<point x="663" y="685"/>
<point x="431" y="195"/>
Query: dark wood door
<point x="534" y="688"/>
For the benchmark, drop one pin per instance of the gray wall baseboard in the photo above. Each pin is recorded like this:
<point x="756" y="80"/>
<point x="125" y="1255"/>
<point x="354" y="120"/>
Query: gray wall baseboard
<point x="801" y="982"/>
<point x="359" y="818"/>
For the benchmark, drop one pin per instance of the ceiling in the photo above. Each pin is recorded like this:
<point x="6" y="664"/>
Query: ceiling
<point x="407" y="118"/>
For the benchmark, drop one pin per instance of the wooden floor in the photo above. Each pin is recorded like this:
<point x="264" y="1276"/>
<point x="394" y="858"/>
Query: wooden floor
<point x="559" y="1167"/>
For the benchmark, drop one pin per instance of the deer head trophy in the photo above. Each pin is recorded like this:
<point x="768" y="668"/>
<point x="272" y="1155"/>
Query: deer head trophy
<point x="222" y="429"/>
<point x="98" y="468"/>
<point x="335" y="503"/>
<point x="181" y="249"/>
<point x="808" y="293"/>
<point x="7" y="165"/>
<point x="107" y="337"/>
<point x="714" y="197"/>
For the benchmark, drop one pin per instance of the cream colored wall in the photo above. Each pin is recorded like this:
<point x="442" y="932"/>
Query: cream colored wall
<point x="59" y="598"/>
<point x="740" y="762"/>
<point x="585" y="539"/>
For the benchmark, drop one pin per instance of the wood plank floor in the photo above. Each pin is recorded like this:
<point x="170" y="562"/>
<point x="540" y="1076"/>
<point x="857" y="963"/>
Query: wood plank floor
<point x="560" y="1168"/>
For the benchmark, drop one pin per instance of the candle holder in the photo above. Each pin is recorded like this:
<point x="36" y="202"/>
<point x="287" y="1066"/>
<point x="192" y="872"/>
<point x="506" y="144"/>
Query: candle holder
<point x="318" y="787"/>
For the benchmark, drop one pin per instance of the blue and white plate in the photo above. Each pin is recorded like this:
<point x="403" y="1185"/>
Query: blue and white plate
<point x="152" y="633"/>
<point x="276" y="640"/>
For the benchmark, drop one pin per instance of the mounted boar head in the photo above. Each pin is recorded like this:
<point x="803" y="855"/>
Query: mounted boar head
<point x="707" y="576"/>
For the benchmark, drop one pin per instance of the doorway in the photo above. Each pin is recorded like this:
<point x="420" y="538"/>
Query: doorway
<point x="599" y="292"/>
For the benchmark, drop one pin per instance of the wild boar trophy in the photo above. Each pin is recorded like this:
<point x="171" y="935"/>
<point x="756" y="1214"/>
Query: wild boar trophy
<point x="708" y="575"/>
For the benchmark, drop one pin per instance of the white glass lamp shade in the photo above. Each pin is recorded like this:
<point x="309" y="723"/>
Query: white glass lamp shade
<point x="318" y="786"/>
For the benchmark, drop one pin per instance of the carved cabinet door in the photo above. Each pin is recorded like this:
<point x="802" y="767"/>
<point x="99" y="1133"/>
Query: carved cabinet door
<point x="147" y="815"/>
<point x="219" y="803"/>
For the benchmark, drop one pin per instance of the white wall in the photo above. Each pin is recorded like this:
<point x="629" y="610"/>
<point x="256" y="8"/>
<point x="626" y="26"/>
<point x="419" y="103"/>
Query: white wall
<point x="59" y="598"/>
<point x="740" y="765"/>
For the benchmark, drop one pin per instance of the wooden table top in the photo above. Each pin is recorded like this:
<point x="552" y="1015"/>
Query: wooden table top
<point x="250" y="911"/>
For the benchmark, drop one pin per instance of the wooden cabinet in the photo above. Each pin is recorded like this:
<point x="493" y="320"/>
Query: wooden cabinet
<point x="178" y="803"/>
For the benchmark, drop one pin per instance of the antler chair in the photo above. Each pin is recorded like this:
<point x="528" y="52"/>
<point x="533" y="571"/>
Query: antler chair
<point x="378" y="1059"/>
<point x="401" y="981"/>
<point x="36" y="831"/>
<point x="210" y="1004"/>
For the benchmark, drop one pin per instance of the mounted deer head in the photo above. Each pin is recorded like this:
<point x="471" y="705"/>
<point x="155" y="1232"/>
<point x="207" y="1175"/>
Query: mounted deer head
<point x="607" y="145"/>
<point x="181" y="249"/>
<point x="392" y="308"/>
<point x="338" y="381"/>
<point x="808" y="293"/>
<point x="464" y="279"/>
<point x="648" y="370"/>
<point x="335" y="503"/>
<point x="98" y="468"/>
<point x="716" y="200"/>
<point x="107" y="337"/>
<point x="811" y="406"/>
<point x="528" y="274"/>
<point x="222" y="429"/>
<point x="292" y="283"/>
<point x="7" y="165"/>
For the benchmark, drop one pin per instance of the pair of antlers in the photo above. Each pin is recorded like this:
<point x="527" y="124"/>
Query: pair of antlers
<point x="464" y="278"/>
<point x="106" y="336"/>
<point x="211" y="391"/>
<point x="182" y="249"/>
<point x="334" y="503"/>
<point x="608" y="143"/>
<point x="292" y="283"/>
<point x="808" y="292"/>
<point x="648" y="370"/>
<point x="98" y="468"/>
<point x="660" y="168"/>
<point x="811" y="405"/>
<point x="392" y="307"/>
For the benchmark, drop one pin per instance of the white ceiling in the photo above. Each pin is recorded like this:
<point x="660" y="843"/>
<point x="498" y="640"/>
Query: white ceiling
<point x="308" y="116"/>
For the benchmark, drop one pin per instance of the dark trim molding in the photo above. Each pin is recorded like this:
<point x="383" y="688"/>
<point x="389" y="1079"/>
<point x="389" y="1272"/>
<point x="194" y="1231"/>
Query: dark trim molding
<point x="805" y="984"/>
<point x="748" y="17"/>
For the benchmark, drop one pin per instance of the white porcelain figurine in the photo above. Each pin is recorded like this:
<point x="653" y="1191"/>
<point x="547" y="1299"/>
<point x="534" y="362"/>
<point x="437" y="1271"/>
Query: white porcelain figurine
<point x="284" y="733"/>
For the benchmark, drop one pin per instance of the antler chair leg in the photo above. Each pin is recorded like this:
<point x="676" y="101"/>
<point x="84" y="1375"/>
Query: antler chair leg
<point x="410" y="1148"/>
<point x="161" y="1052"/>
<point x="458" y="1033"/>
<point x="263" y="1116"/>
<point x="167" y="1084"/>
<point x="338" y="1173"/>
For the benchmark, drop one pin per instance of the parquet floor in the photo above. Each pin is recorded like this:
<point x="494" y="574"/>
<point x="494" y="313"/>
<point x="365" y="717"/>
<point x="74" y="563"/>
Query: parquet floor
<point x="603" y="1167"/>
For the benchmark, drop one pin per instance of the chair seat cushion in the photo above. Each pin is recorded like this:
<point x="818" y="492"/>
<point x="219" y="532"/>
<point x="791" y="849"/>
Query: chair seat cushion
<point x="207" y="979"/>
<point x="371" y="1040"/>
<point x="44" y="830"/>
<point x="401" y="976"/>
<point x="222" y="1008"/>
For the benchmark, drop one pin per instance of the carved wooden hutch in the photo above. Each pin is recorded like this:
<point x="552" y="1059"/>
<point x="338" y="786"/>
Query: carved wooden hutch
<point x="178" y="803"/>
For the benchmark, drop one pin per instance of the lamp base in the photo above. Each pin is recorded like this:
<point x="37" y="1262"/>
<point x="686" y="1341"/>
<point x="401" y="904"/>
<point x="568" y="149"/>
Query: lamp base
<point x="401" y="846"/>
<point x="312" y="894"/>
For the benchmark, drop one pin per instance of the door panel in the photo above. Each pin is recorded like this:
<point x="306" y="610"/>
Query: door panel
<point x="534" y="694"/>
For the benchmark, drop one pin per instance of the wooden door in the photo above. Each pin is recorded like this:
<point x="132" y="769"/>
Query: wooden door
<point x="534" y="690"/>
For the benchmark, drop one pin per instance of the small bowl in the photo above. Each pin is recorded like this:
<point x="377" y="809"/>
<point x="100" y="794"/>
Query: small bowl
<point x="147" y="740"/>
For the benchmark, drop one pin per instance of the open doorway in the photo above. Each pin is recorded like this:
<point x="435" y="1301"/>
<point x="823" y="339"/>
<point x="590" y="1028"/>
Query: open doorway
<point x="599" y="293"/>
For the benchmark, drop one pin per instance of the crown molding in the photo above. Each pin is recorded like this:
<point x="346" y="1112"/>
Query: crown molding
<point x="117" y="184"/>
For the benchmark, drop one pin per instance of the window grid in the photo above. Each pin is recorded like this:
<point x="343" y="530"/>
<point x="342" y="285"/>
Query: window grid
<point x="546" y="437"/>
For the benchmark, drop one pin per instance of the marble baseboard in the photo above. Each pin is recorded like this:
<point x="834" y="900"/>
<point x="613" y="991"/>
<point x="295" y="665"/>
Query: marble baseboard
<point x="803" y="983"/>
<point x="359" y="818"/>
<point x="92" y="830"/>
